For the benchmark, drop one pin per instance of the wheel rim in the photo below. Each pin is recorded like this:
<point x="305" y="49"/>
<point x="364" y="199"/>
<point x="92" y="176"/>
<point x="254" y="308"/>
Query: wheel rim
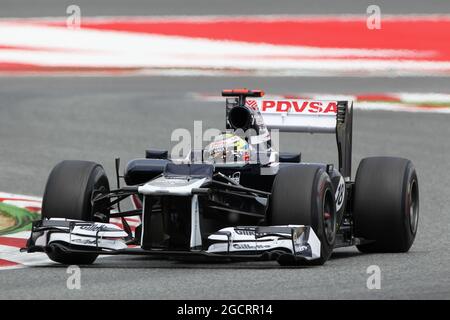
<point x="329" y="218"/>
<point x="413" y="207"/>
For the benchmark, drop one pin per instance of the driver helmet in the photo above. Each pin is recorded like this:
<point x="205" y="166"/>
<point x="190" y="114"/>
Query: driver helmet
<point x="227" y="148"/>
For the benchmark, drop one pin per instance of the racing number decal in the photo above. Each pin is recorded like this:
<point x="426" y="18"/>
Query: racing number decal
<point x="339" y="196"/>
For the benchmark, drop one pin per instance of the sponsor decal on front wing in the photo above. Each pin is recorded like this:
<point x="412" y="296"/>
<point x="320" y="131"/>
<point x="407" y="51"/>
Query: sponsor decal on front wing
<point x="242" y="239"/>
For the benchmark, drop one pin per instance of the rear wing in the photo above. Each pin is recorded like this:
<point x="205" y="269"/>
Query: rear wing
<point x="294" y="115"/>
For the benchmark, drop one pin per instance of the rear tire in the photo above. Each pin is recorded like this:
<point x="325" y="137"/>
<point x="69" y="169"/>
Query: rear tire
<point x="68" y="195"/>
<point x="303" y="195"/>
<point x="386" y="204"/>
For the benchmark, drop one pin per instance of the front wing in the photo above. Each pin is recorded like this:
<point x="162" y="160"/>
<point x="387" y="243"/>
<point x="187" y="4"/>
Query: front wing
<point x="242" y="243"/>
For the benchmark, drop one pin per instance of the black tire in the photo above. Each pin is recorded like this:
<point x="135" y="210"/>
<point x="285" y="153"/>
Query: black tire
<point x="386" y="204"/>
<point x="57" y="255"/>
<point x="68" y="195"/>
<point x="301" y="194"/>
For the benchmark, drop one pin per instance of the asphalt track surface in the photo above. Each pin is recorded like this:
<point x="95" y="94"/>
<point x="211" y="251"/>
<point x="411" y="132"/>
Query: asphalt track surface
<point x="47" y="119"/>
<point x="45" y="8"/>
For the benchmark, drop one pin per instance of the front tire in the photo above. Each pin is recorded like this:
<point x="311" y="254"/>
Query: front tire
<point x="70" y="258"/>
<point x="386" y="204"/>
<point x="68" y="195"/>
<point x="303" y="195"/>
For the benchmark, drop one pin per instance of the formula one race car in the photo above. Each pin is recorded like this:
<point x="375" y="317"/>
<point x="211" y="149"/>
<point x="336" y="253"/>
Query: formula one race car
<point x="237" y="198"/>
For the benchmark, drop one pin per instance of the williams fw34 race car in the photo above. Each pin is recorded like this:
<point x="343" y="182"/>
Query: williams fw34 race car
<point x="237" y="199"/>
